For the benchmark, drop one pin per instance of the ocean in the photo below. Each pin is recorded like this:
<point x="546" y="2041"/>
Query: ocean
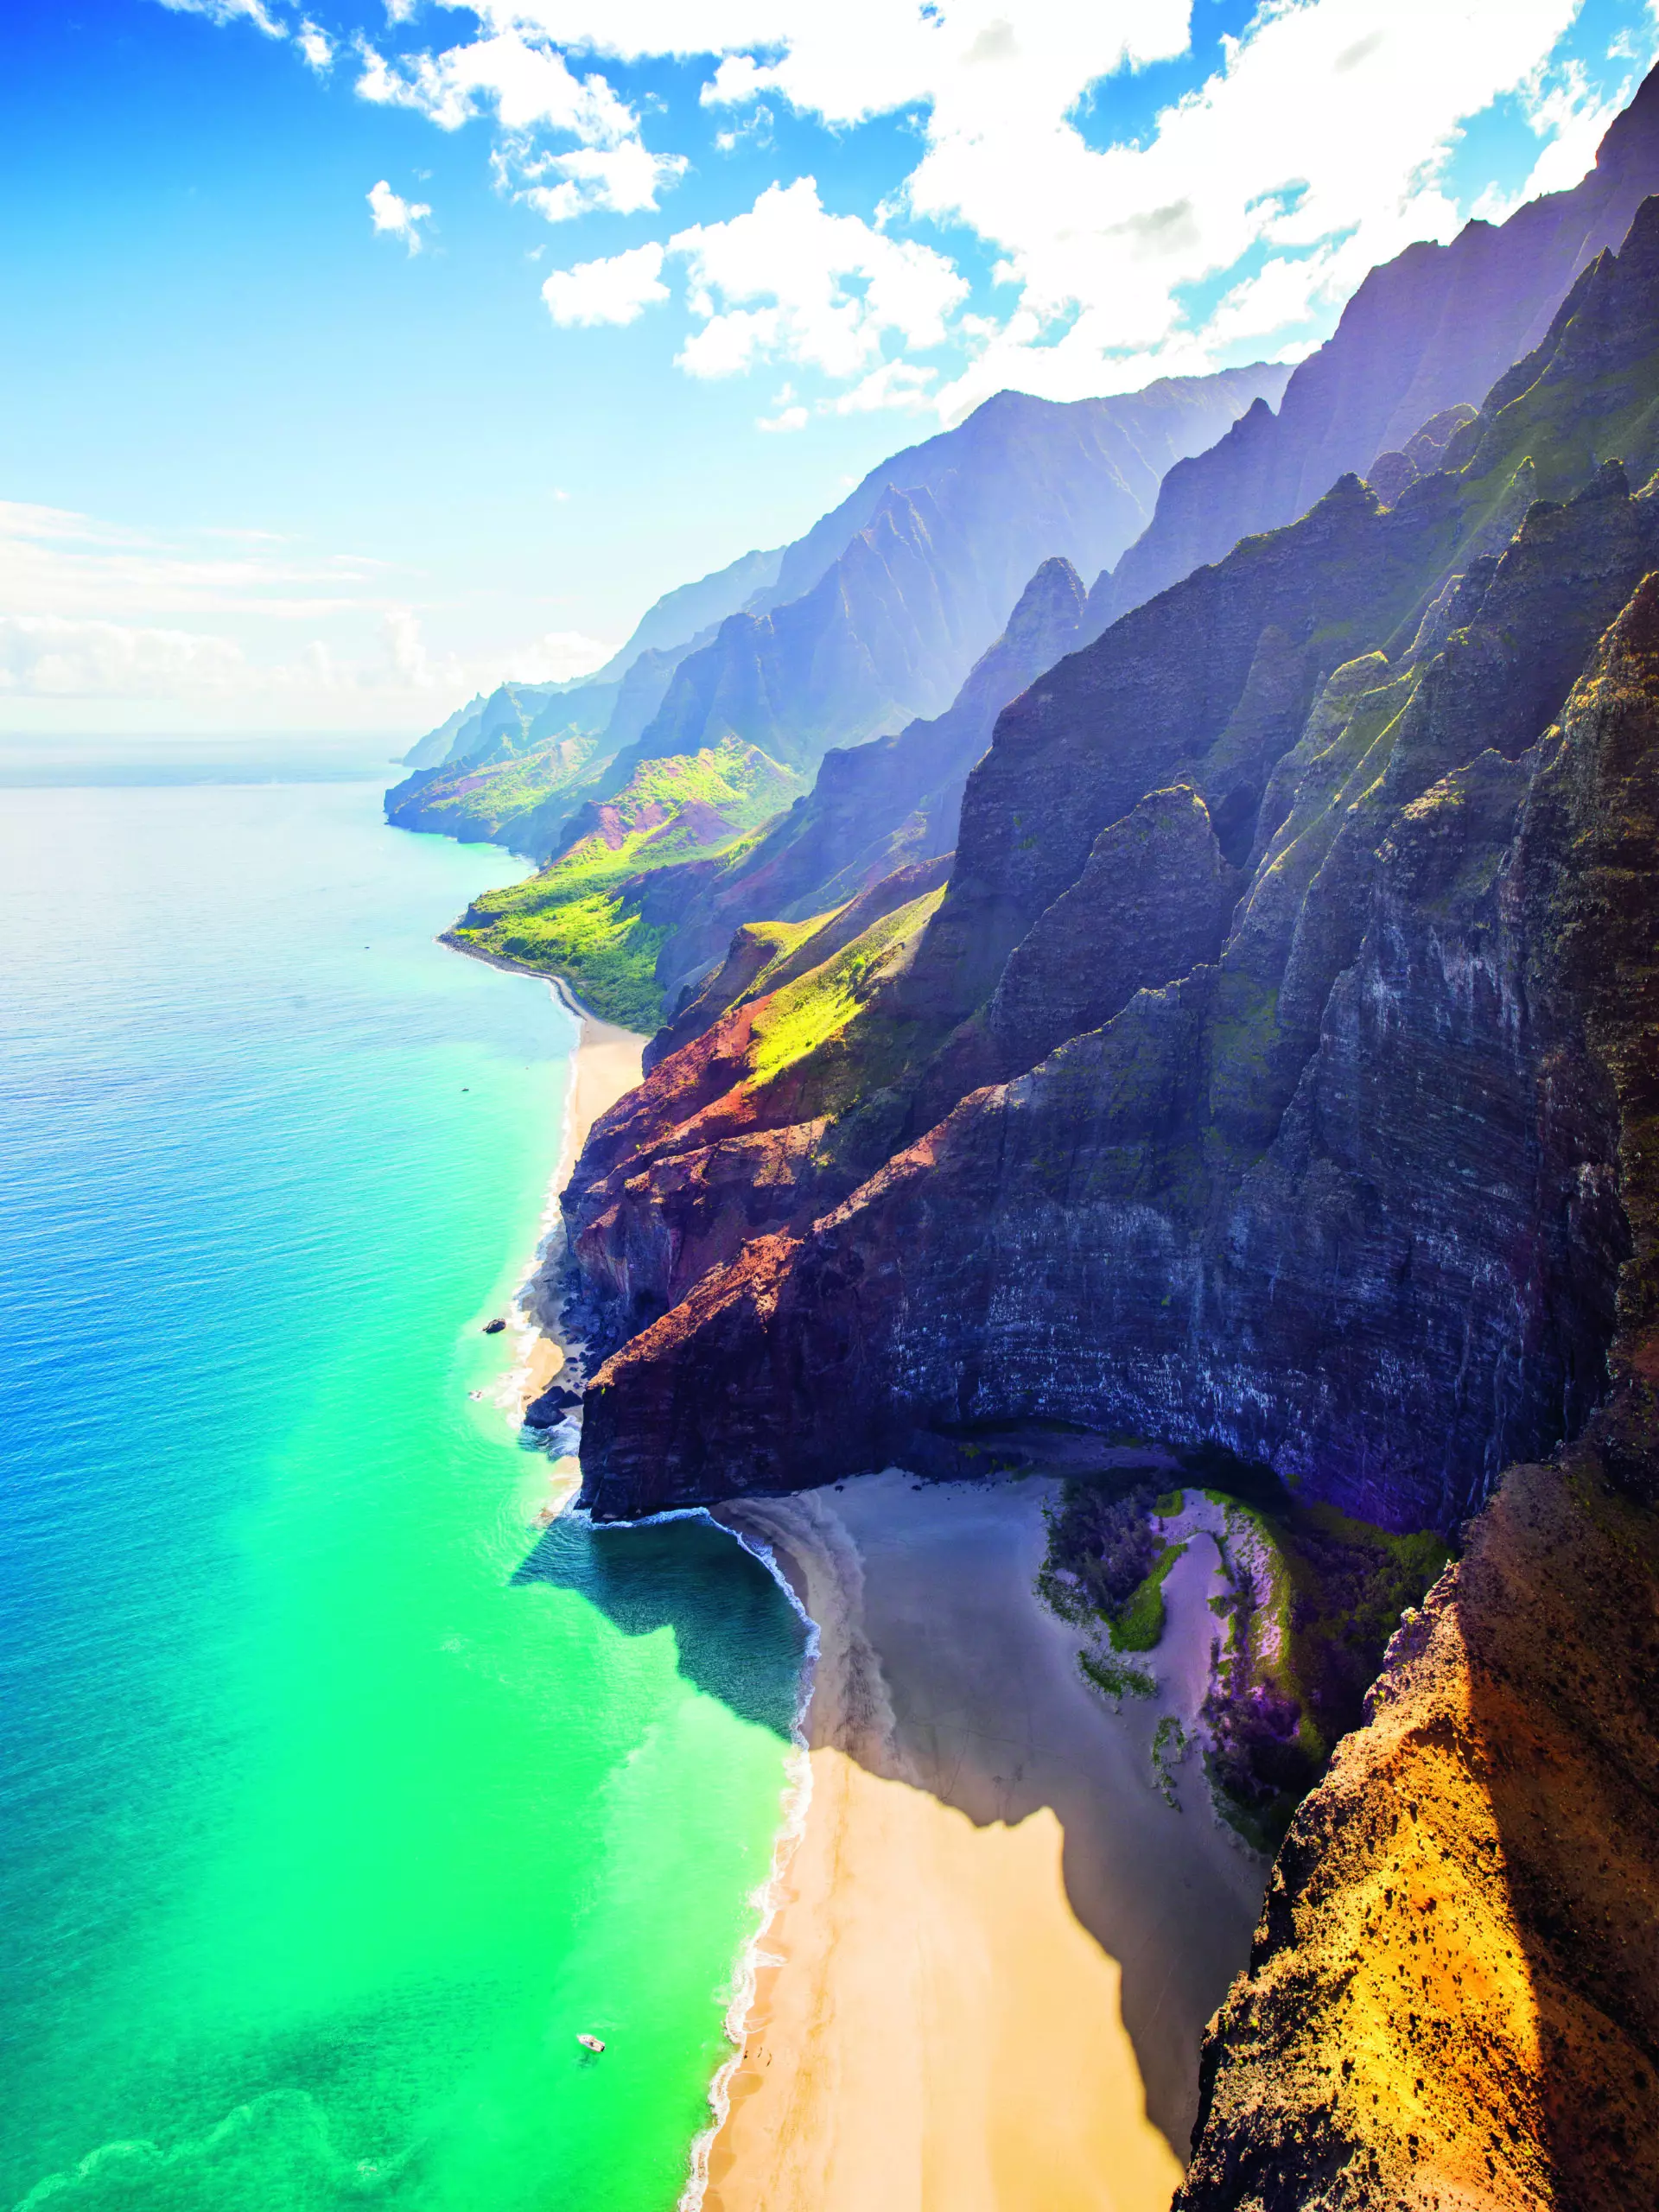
<point x="335" y="1796"/>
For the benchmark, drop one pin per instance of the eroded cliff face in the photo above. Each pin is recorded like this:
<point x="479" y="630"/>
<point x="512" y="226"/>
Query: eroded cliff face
<point x="1320" y="1191"/>
<point x="1454" y="1997"/>
<point x="768" y="1116"/>
<point x="1278" y="1069"/>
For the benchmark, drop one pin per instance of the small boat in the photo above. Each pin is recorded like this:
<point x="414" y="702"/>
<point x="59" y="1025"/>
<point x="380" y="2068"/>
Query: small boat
<point x="590" y="2043"/>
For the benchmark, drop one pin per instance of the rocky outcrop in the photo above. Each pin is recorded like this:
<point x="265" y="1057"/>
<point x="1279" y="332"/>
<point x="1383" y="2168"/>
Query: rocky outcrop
<point x="1433" y="328"/>
<point x="747" y="1125"/>
<point x="1421" y="455"/>
<point x="1317" y="1198"/>
<point x="1453" y="1996"/>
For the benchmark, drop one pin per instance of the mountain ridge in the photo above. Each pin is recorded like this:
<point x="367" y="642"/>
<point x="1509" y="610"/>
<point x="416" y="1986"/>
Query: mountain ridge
<point x="1473" y="307"/>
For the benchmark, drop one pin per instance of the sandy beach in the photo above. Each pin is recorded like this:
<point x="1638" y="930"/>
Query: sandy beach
<point x="996" y="1944"/>
<point x="606" y="1064"/>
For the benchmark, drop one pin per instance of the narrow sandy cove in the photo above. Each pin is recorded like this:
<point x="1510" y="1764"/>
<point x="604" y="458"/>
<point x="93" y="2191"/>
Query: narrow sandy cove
<point x="997" y="1945"/>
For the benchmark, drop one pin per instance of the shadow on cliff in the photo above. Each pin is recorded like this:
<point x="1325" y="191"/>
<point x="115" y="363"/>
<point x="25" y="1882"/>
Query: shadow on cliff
<point x="736" y="1636"/>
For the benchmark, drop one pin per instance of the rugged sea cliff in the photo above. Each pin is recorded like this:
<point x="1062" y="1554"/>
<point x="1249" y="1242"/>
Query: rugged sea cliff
<point x="1228" y="1028"/>
<point x="1207" y="1103"/>
<point x="1271" y="1074"/>
<point x="1454" y="1992"/>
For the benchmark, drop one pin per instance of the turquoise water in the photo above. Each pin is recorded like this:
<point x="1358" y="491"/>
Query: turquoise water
<point x="334" y="1799"/>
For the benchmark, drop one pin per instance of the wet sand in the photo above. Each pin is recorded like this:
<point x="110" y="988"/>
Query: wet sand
<point x="996" y="1945"/>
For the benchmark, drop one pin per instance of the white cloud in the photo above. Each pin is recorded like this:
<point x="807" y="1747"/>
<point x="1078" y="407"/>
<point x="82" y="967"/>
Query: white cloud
<point x="558" y="655"/>
<point x="896" y="384"/>
<point x="56" y="561"/>
<point x="398" y="217"/>
<point x="786" y="419"/>
<point x="1322" y="142"/>
<point x="1317" y="148"/>
<point x="316" y="46"/>
<point x="1238" y="221"/>
<point x="615" y="290"/>
<point x="757" y="131"/>
<point x="48" y="656"/>
<point x="554" y="657"/>
<point x="625" y="179"/>
<point x="786" y="282"/>
<point x="231" y="12"/>
<point x="1563" y="111"/>
<point x="97" y="610"/>
<point x="528" y="86"/>
<point x="830" y="289"/>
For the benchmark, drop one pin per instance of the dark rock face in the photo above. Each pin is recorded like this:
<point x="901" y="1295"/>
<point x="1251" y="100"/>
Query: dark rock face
<point x="1430" y="329"/>
<point x="550" y="1408"/>
<point x="1453" y="1995"/>
<point x="1325" y="1196"/>
<point x="1211" y="681"/>
<point x="1152" y="901"/>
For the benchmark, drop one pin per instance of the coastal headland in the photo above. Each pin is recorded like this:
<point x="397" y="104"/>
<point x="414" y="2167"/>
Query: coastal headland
<point x="1001" y="1930"/>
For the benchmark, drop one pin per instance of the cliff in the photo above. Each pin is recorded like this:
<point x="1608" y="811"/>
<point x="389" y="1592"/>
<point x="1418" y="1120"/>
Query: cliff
<point x="1435" y="327"/>
<point x="1311" y="1193"/>
<point x="875" y="615"/>
<point x="1453" y="1996"/>
<point x="598" y="915"/>
<point x="892" y="803"/>
<point x="946" y="536"/>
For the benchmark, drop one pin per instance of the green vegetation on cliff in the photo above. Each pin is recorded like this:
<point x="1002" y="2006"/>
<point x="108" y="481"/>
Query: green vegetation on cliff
<point x="597" y="915"/>
<point x="495" y="802"/>
<point x="804" y="1015"/>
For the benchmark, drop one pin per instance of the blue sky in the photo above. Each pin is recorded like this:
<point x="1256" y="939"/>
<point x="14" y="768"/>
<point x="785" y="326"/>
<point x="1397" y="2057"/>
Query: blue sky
<point x="360" y="355"/>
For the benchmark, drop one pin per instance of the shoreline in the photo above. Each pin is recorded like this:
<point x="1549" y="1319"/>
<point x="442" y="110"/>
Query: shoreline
<point x="990" y="1941"/>
<point x="992" y="1929"/>
<point x="605" y="1064"/>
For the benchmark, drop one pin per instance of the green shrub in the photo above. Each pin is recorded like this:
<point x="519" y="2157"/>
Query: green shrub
<point x="1113" y="1679"/>
<point x="1138" y="1625"/>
